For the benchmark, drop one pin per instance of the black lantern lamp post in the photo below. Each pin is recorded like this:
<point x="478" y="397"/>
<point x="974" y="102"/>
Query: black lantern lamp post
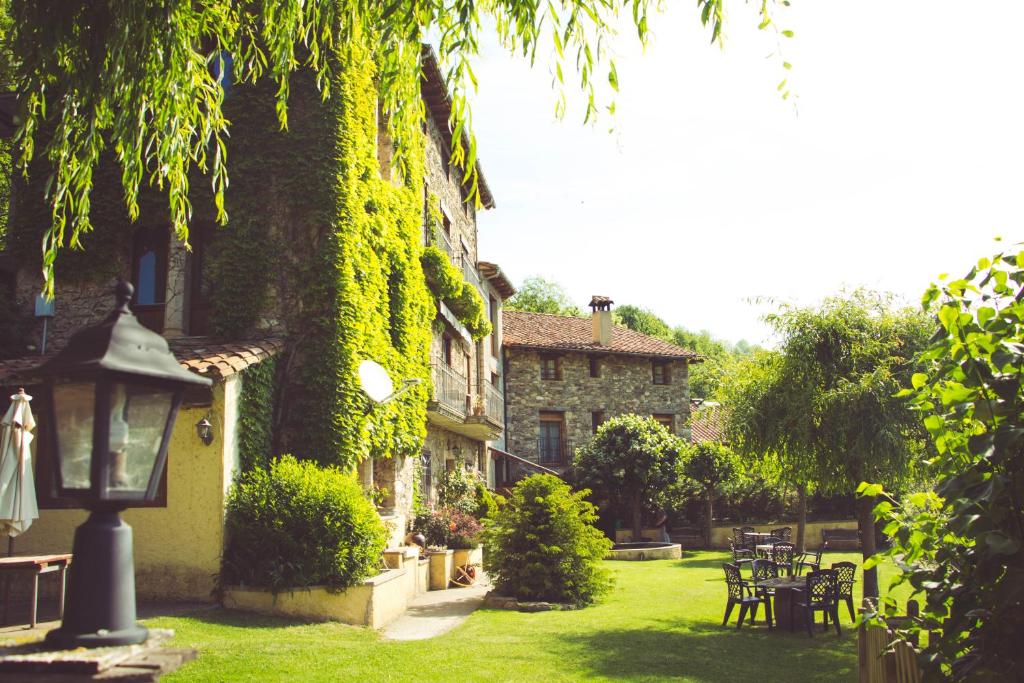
<point x="114" y="393"/>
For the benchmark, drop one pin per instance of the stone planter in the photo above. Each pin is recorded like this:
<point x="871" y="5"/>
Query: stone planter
<point x="440" y="568"/>
<point x="374" y="603"/>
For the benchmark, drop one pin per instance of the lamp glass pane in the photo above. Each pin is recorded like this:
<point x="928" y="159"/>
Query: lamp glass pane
<point x="74" y="405"/>
<point x="138" y="415"/>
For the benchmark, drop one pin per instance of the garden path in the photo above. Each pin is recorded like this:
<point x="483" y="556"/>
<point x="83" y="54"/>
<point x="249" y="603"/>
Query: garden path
<point x="437" y="612"/>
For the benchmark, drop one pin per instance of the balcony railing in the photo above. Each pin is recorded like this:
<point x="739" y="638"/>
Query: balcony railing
<point x="509" y="469"/>
<point x="469" y="273"/>
<point x="450" y="387"/>
<point x="494" y="403"/>
<point x="444" y="243"/>
<point x="554" y="451"/>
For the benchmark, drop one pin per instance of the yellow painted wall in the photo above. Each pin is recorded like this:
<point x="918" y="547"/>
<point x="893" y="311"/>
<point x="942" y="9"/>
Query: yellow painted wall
<point x="177" y="548"/>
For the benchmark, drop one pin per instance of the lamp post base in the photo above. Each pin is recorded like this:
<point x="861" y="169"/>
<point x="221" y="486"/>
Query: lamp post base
<point x="100" y="609"/>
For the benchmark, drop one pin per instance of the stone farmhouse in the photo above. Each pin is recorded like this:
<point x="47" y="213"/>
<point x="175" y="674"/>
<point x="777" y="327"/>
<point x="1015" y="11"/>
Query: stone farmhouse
<point x="565" y="376"/>
<point x="319" y="267"/>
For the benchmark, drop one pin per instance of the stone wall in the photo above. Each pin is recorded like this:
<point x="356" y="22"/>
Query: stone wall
<point x="624" y="386"/>
<point x="443" y="180"/>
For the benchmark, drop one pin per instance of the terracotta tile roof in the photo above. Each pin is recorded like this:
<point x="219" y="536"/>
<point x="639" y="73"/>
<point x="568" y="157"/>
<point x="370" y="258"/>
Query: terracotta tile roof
<point x="707" y="423"/>
<point x="547" y="332"/>
<point x="204" y="356"/>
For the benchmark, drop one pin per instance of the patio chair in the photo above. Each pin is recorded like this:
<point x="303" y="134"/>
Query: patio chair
<point x="846" y="573"/>
<point x="740" y="556"/>
<point x="818" y="595"/>
<point x="741" y="593"/>
<point x="808" y="559"/>
<point x="747" y="541"/>
<point x="760" y="571"/>
<point x="782" y="555"/>
<point x="784" y="534"/>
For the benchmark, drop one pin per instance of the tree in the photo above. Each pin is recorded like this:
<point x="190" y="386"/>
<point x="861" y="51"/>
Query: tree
<point x="142" y="81"/>
<point x="824" y="404"/>
<point x="538" y="295"/>
<point x="961" y="542"/>
<point x="629" y="463"/>
<point x="643" y="321"/>
<point x="543" y="545"/>
<point x="710" y="466"/>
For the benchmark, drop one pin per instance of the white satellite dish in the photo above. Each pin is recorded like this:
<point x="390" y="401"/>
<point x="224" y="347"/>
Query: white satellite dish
<point x="375" y="381"/>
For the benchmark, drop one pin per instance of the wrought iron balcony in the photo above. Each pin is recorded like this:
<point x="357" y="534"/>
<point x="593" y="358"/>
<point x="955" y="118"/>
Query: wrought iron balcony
<point x="450" y="388"/>
<point x="494" y="403"/>
<point x="555" y="452"/>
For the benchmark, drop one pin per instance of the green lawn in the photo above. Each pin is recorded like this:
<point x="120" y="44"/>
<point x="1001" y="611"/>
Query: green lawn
<point x="662" y="620"/>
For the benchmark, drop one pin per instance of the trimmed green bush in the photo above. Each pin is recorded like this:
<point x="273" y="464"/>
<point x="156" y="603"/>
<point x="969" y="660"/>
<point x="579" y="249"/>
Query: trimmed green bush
<point x="543" y="545"/>
<point x="299" y="524"/>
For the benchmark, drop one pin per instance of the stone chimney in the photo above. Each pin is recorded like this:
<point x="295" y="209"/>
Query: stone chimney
<point x="601" y="319"/>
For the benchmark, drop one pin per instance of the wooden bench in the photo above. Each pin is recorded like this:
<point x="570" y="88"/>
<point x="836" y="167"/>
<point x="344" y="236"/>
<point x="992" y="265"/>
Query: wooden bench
<point x="841" y="539"/>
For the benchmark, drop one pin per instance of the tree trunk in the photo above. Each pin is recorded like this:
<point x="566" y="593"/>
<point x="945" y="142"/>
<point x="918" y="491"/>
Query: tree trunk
<point x="638" y="511"/>
<point x="801" y="517"/>
<point x="708" y="518"/>
<point x="866" y="525"/>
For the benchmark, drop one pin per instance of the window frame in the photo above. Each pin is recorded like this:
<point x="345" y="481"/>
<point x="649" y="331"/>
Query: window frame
<point x="596" y="366"/>
<point x="597" y="419"/>
<point x="556" y="360"/>
<point x="666" y="372"/>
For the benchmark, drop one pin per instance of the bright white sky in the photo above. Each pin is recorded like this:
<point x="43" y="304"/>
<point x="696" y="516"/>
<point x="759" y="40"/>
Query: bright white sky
<point x="903" y="159"/>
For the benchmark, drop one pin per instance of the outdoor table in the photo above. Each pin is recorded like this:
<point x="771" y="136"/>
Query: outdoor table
<point x="34" y="565"/>
<point x="764" y="549"/>
<point x="785" y="595"/>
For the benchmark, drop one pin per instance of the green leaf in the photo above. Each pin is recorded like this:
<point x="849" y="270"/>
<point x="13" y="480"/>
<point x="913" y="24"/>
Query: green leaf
<point x="787" y="33"/>
<point x="918" y="380"/>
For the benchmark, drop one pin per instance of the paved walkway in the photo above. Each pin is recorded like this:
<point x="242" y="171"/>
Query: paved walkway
<point x="437" y="612"/>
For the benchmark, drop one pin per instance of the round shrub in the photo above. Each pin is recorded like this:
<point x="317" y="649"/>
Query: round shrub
<point x="299" y="524"/>
<point x="543" y="545"/>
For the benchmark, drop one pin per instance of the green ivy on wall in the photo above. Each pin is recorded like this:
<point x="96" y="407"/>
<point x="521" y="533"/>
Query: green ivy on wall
<point x="320" y="244"/>
<point x="256" y="415"/>
<point x="448" y="285"/>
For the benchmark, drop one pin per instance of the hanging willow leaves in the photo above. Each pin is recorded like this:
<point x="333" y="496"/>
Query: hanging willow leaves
<point x="141" y="82"/>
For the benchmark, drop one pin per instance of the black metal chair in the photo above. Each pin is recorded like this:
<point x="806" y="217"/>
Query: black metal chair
<point x="740" y="556"/>
<point x="782" y="555"/>
<point x="748" y="542"/>
<point x="809" y="560"/>
<point x="784" y="534"/>
<point x="819" y="595"/>
<point x="846" y="573"/>
<point x="742" y="593"/>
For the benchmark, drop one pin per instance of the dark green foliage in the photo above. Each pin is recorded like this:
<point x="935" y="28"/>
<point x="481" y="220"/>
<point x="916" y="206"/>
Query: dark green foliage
<point x="487" y="502"/>
<point x="628" y="464"/>
<point x="961" y="542"/>
<point x="711" y="466"/>
<point x="543" y="545"/>
<point x="643" y="321"/>
<point x="298" y="525"/>
<point x="538" y="295"/>
<point x="256" y="415"/>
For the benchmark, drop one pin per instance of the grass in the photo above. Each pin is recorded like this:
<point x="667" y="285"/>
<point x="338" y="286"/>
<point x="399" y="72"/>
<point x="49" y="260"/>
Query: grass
<point x="661" y="621"/>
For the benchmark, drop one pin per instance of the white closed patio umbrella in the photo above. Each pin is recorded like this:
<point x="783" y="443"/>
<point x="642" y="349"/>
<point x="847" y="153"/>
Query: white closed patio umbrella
<point x="18" y="506"/>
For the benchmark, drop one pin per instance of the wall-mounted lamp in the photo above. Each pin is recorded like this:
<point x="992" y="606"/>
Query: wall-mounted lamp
<point x="204" y="430"/>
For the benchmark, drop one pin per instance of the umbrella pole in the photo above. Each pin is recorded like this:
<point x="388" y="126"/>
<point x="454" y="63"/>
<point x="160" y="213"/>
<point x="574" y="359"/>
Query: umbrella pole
<point x="10" y="546"/>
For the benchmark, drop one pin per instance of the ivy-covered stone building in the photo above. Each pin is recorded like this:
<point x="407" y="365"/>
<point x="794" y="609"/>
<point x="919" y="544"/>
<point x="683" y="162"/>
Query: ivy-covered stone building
<point x="566" y="375"/>
<point x="331" y="255"/>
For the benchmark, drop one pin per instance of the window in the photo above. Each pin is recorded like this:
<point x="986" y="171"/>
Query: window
<point x="149" y="276"/>
<point x="551" y="446"/>
<point x="596" y="420"/>
<point x="494" y="325"/>
<point x="446" y="222"/>
<point x="426" y="462"/>
<point x="666" y="420"/>
<point x="446" y="349"/>
<point x="550" y="367"/>
<point x="595" y="366"/>
<point x="661" y="372"/>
